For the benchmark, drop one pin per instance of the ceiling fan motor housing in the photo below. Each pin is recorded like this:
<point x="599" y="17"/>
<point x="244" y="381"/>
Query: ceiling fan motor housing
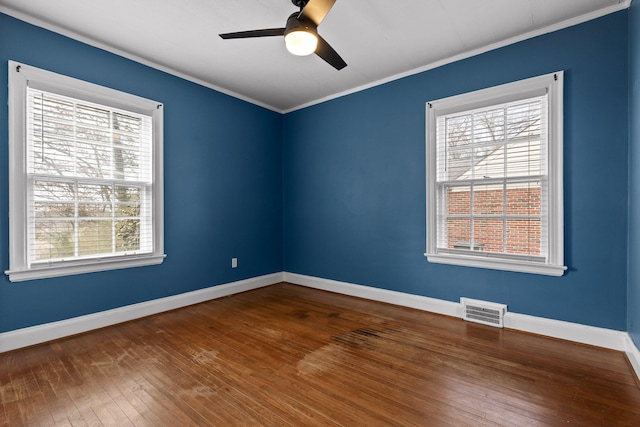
<point x="296" y="23"/>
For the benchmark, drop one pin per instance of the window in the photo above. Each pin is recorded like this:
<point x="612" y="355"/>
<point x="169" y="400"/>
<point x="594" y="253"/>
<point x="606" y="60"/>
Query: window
<point x="85" y="177"/>
<point x="494" y="178"/>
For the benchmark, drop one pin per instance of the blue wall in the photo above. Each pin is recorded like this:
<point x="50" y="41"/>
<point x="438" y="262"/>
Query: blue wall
<point x="633" y="296"/>
<point x="354" y="180"/>
<point x="350" y="174"/>
<point x="223" y="186"/>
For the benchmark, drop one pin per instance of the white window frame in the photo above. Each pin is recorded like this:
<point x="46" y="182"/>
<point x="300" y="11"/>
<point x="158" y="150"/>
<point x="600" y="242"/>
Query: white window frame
<point x="21" y="76"/>
<point x="550" y="84"/>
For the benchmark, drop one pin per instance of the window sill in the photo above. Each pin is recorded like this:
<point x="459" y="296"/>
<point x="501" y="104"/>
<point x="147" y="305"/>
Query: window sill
<point x="498" y="264"/>
<point x="79" y="267"/>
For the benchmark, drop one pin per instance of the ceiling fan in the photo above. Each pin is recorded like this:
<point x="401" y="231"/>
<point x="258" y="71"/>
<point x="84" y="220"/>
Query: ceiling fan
<point x="301" y="32"/>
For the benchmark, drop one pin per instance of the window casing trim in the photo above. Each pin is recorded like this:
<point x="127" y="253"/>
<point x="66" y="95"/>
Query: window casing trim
<point x="22" y="76"/>
<point x="550" y="84"/>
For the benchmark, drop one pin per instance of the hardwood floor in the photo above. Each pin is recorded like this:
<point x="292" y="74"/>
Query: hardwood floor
<point x="288" y="355"/>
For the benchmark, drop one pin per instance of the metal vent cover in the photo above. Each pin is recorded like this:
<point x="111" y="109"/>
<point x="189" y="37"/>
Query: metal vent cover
<point x="487" y="313"/>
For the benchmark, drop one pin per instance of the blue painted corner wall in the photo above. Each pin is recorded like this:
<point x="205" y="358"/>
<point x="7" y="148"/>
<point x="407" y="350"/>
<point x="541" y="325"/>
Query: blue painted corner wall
<point x="223" y="185"/>
<point x="633" y="296"/>
<point x="337" y="190"/>
<point x="354" y="180"/>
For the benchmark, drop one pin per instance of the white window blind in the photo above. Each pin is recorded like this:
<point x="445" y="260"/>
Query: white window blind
<point x="85" y="177"/>
<point x="494" y="177"/>
<point x="89" y="179"/>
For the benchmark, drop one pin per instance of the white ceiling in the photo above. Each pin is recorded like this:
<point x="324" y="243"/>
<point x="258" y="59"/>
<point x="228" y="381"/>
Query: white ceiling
<point x="379" y="39"/>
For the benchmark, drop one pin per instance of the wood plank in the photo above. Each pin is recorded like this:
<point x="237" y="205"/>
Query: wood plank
<point x="288" y="355"/>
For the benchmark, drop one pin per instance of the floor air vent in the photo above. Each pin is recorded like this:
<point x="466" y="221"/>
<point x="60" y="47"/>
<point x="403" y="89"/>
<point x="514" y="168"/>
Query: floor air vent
<point x="487" y="313"/>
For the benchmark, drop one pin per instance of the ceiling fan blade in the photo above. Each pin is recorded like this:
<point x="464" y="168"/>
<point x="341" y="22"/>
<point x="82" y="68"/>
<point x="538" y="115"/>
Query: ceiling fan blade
<point x="269" y="32"/>
<point x="326" y="52"/>
<point x="316" y="10"/>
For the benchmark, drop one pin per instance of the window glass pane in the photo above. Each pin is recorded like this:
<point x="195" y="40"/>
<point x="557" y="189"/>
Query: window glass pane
<point x="92" y="116"/>
<point x="488" y="234"/>
<point x="459" y="131"/>
<point x="488" y="162"/>
<point x="127" y="235"/>
<point x="127" y="210"/>
<point x="54" y="239"/>
<point x="94" y="193"/>
<point x="52" y="128"/>
<point x="54" y="210"/>
<point x="126" y="140"/>
<point x="458" y="164"/>
<point x="524" y="158"/>
<point x="94" y="200"/>
<point x="53" y="199"/>
<point x="126" y="123"/>
<point x="459" y="200"/>
<point x="94" y="237"/>
<point x="125" y="164"/>
<point x="94" y="210"/>
<point x="524" y="120"/>
<point x="458" y="233"/>
<point x="488" y="199"/>
<point x="455" y="149"/>
<point x="52" y="108"/>
<point x="523" y="198"/>
<point x="52" y="156"/>
<point x="93" y="160"/>
<point x="523" y="236"/>
<point x="488" y="126"/>
<point x="54" y="191"/>
<point x="86" y="134"/>
<point x="127" y="194"/>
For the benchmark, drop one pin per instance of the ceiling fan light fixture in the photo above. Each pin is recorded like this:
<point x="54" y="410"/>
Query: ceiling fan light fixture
<point x="301" y="32"/>
<point x="301" y="42"/>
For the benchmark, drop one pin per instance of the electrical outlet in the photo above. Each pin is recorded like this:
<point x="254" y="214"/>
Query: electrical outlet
<point x="234" y="262"/>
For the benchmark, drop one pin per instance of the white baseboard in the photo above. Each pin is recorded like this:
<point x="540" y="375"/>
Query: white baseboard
<point x="600" y="337"/>
<point x="433" y="305"/>
<point x="607" y="338"/>
<point x="634" y="355"/>
<point x="50" y="331"/>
